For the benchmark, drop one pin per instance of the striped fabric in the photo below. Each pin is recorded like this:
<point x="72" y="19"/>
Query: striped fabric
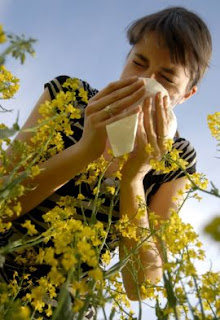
<point x="153" y="180"/>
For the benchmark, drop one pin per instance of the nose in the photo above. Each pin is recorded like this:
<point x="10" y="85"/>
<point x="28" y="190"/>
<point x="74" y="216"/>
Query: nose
<point x="150" y="73"/>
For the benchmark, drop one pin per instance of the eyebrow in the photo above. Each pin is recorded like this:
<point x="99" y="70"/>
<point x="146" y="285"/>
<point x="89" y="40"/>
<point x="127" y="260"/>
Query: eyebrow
<point x="171" y="71"/>
<point x="143" y="58"/>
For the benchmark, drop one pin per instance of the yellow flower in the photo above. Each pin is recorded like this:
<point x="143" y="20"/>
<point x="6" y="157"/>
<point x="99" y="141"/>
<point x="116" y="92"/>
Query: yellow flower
<point x="199" y="180"/>
<point x="96" y="274"/>
<point x="111" y="190"/>
<point x="69" y="260"/>
<point x="197" y="197"/>
<point x="81" y="196"/>
<point x="95" y="190"/>
<point x="23" y="313"/>
<point x="35" y="170"/>
<point x="30" y="227"/>
<point x="126" y="228"/>
<point x="110" y="152"/>
<point x="17" y="208"/>
<point x="3" y="37"/>
<point x="117" y="175"/>
<point x="83" y="94"/>
<point x="4" y="226"/>
<point x="141" y="212"/>
<point x="71" y="83"/>
<point x="49" y="257"/>
<point x="214" y="124"/>
<point x="55" y="277"/>
<point x="168" y="144"/>
<point x="213" y="228"/>
<point x="9" y="83"/>
<point x="148" y="290"/>
<point x="139" y="199"/>
<point x="49" y="311"/>
<point x="149" y="149"/>
<point x="77" y="305"/>
<point x="106" y="257"/>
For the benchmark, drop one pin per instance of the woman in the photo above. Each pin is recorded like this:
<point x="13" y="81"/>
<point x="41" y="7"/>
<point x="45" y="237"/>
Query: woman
<point x="172" y="46"/>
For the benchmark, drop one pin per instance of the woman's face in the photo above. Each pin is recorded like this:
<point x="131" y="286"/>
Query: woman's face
<point x="151" y="59"/>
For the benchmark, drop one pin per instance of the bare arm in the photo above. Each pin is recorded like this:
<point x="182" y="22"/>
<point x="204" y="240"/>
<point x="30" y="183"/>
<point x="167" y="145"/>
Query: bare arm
<point x="56" y="171"/>
<point x="60" y="168"/>
<point x="149" y="258"/>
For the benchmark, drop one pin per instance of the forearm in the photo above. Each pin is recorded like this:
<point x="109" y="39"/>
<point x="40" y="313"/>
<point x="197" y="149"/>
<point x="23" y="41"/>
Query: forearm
<point x="147" y="261"/>
<point x="55" y="172"/>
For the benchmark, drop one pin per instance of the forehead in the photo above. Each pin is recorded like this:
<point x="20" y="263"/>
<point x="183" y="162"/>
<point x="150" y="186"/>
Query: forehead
<point x="155" y="49"/>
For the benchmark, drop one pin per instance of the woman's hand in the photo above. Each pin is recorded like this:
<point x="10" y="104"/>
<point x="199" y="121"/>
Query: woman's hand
<point x="152" y="128"/>
<point x="116" y="101"/>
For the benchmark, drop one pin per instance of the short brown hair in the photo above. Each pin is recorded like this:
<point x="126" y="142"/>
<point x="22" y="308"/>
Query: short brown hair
<point x="184" y="32"/>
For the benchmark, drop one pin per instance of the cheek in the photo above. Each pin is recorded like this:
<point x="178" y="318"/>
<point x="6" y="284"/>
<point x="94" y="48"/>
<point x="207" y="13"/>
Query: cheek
<point x="175" y="95"/>
<point x="175" y="99"/>
<point x="126" y="72"/>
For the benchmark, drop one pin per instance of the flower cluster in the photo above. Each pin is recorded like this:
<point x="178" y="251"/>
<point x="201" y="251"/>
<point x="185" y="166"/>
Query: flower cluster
<point x="214" y="124"/>
<point x="3" y="37"/>
<point x="57" y="116"/>
<point x="171" y="161"/>
<point x="8" y="83"/>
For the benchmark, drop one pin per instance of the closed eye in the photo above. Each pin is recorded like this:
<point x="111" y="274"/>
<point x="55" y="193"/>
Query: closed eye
<point x="167" y="79"/>
<point x="138" y="64"/>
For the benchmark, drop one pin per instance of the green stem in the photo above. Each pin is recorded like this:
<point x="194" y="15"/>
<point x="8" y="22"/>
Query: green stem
<point x="199" y="297"/>
<point x="63" y="295"/>
<point x="189" y="304"/>
<point x="212" y="310"/>
<point x="197" y="290"/>
<point x="86" y="303"/>
<point x="109" y="218"/>
<point x="81" y="207"/>
<point x="104" y="313"/>
<point x="193" y="183"/>
<point x="119" y="306"/>
<point x="94" y="209"/>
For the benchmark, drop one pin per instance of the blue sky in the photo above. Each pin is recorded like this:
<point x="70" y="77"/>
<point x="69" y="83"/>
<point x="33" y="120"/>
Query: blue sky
<point x="87" y="40"/>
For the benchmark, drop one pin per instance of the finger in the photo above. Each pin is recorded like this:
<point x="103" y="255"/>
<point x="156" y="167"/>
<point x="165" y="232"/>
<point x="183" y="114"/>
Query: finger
<point x="120" y="98"/>
<point x="111" y="87"/>
<point x="141" y="129"/>
<point x="166" y="106"/>
<point x="120" y="116"/>
<point x="149" y="125"/>
<point x="160" y="115"/>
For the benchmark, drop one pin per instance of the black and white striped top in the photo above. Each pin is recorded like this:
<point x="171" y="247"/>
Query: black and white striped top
<point x="152" y="182"/>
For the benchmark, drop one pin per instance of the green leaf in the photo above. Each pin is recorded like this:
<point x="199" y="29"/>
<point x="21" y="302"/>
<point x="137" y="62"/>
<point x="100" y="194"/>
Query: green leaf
<point x="112" y="314"/>
<point x="7" y="132"/>
<point x="159" y="312"/>
<point x="170" y="295"/>
<point x="64" y="307"/>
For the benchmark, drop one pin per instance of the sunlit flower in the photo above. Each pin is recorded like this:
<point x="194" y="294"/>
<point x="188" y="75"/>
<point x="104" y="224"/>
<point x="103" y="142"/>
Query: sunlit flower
<point x="30" y="227"/>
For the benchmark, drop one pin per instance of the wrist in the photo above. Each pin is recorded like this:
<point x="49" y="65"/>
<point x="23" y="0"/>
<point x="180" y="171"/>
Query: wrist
<point x="135" y="177"/>
<point x="87" y="155"/>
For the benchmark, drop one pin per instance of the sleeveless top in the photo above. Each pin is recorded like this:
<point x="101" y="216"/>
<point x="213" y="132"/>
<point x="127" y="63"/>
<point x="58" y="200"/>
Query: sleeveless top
<point x="152" y="182"/>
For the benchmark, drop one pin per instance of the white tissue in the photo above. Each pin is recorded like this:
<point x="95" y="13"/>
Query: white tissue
<point x="153" y="87"/>
<point x="122" y="133"/>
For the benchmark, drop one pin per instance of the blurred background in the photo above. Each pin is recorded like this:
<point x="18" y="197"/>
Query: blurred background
<point x="87" y="39"/>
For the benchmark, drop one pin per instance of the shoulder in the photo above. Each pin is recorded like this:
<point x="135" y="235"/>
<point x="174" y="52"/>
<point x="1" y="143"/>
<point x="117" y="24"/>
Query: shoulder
<point x="56" y="84"/>
<point x="187" y="153"/>
<point x="154" y="179"/>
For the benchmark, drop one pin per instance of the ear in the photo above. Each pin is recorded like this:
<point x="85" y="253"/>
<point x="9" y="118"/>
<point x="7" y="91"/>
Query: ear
<point x="189" y="94"/>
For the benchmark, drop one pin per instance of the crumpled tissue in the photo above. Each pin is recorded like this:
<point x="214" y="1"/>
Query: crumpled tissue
<point x="122" y="133"/>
